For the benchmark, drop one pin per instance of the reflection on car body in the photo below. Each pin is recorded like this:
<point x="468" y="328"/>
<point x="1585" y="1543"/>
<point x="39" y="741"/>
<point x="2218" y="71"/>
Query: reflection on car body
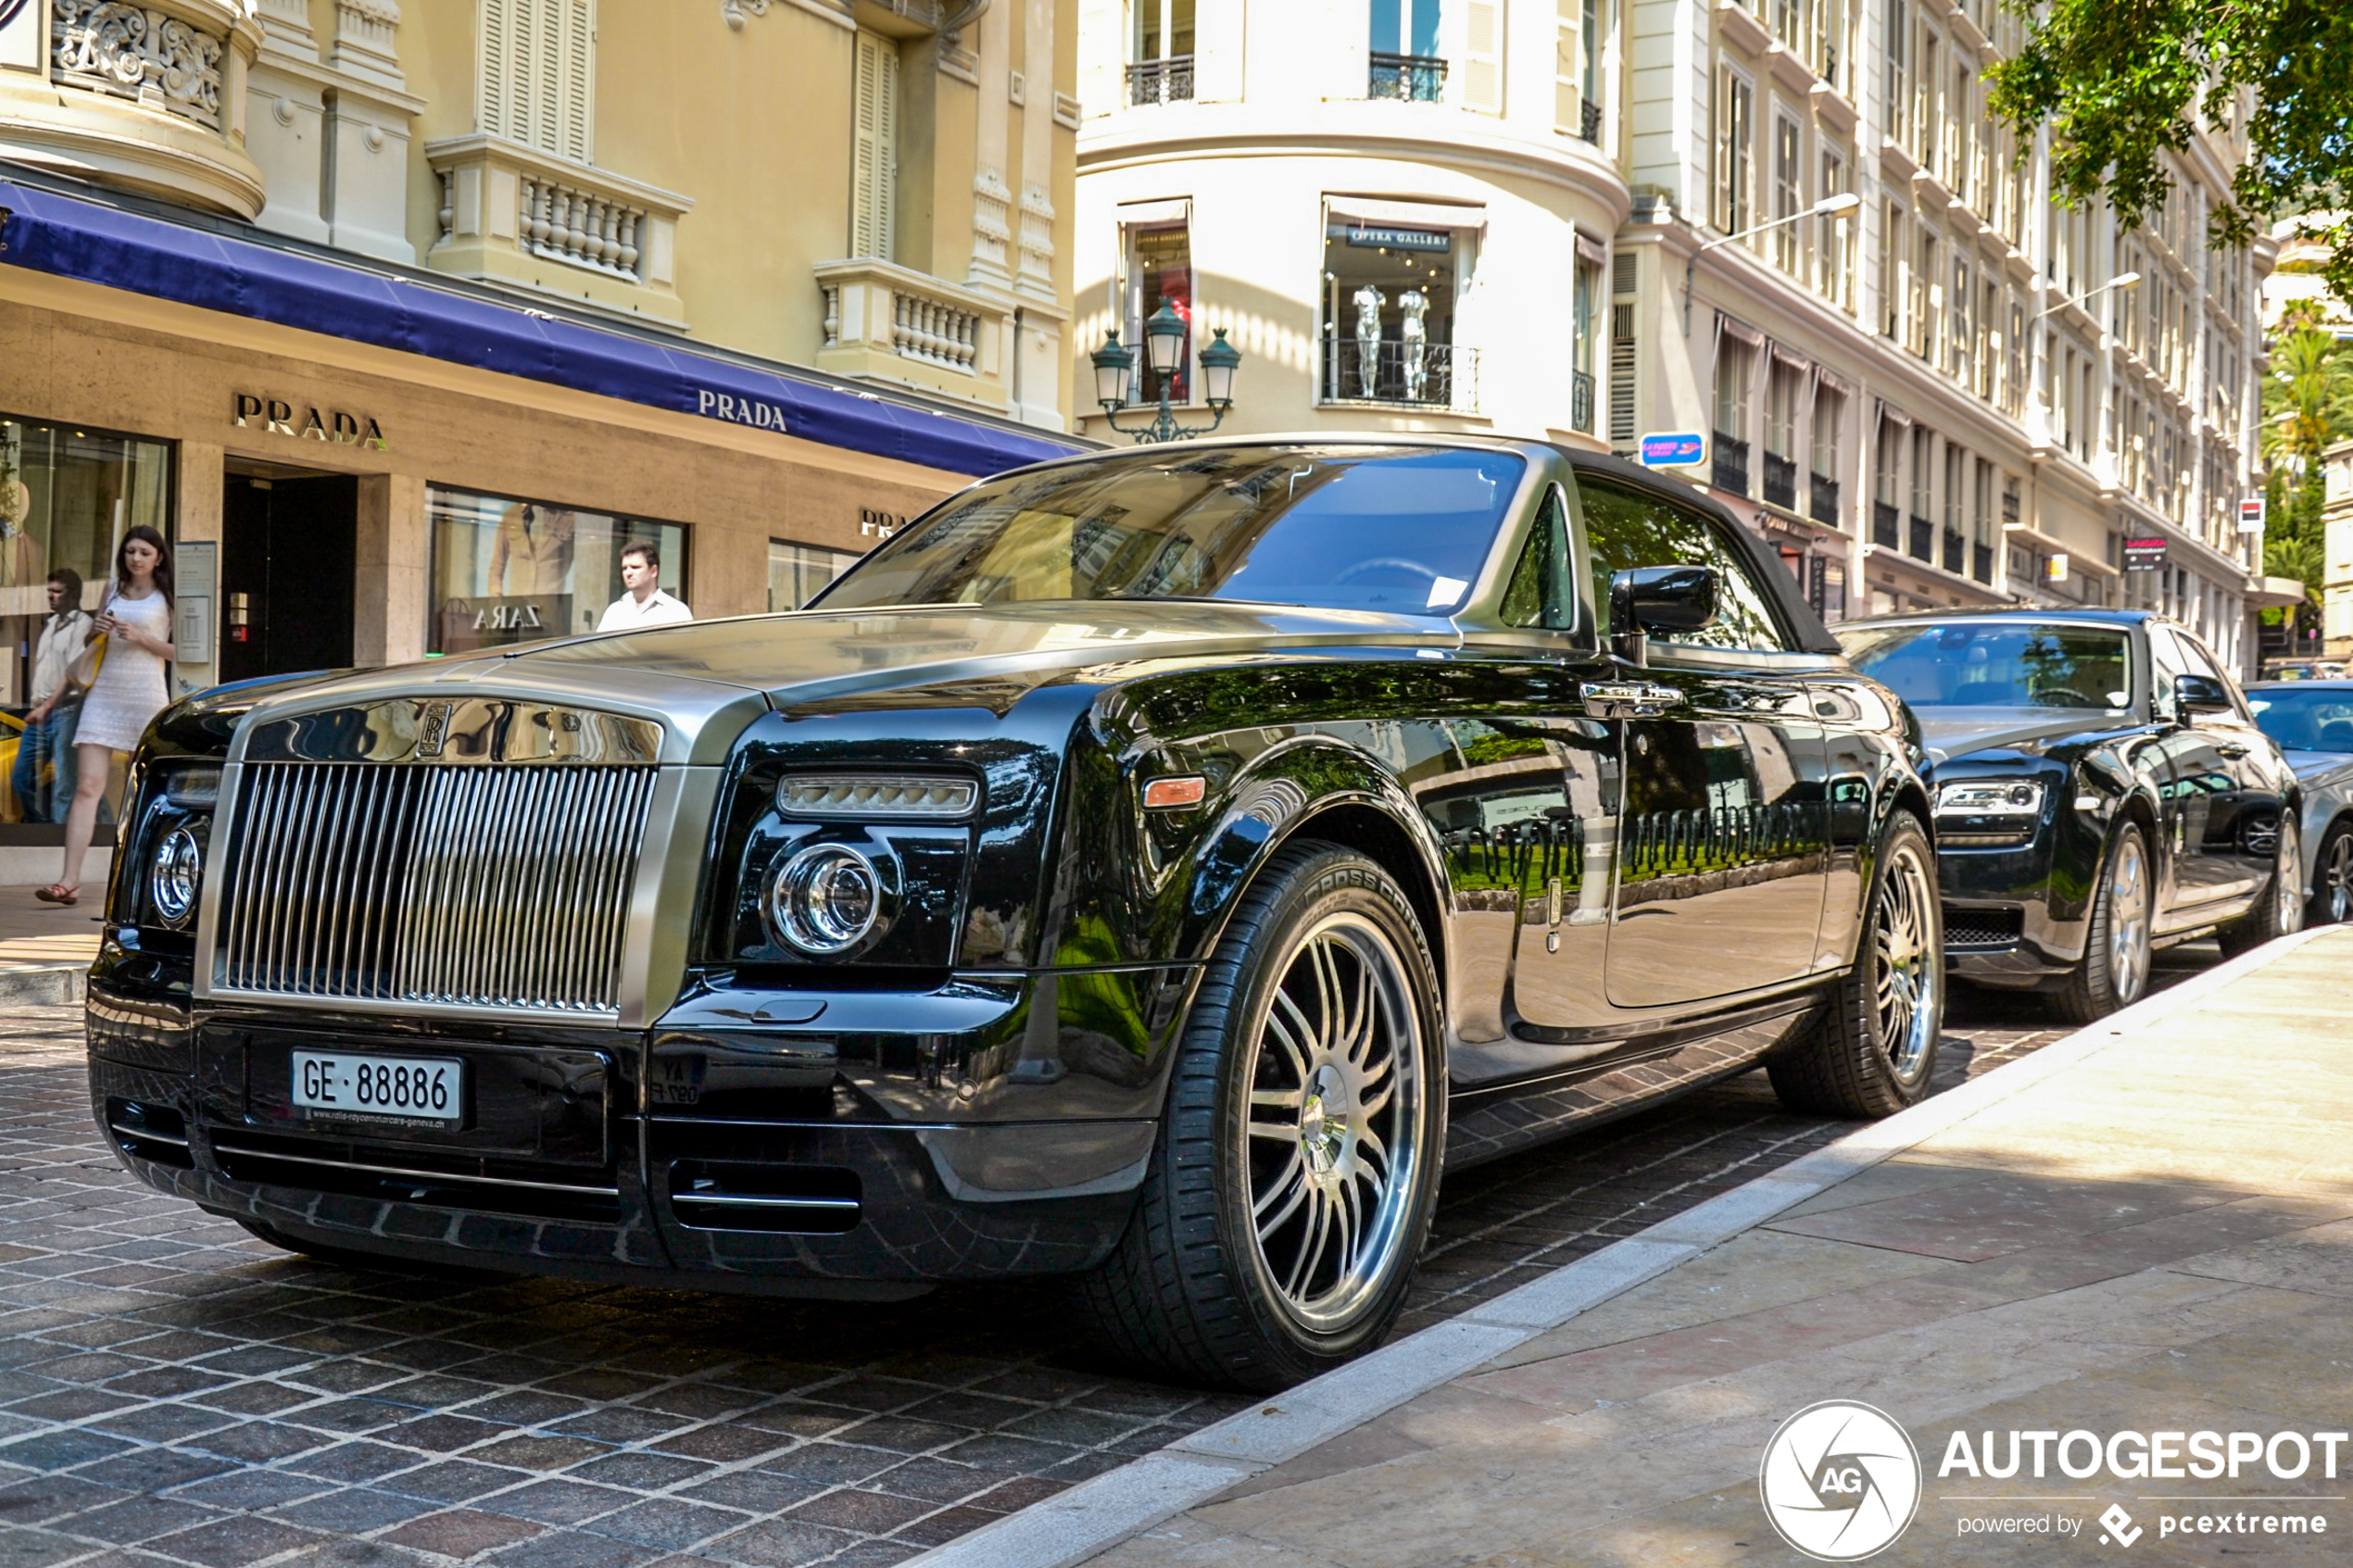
<point x="2102" y="790"/>
<point x="1153" y="868"/>
<point x="2312" y="720"/>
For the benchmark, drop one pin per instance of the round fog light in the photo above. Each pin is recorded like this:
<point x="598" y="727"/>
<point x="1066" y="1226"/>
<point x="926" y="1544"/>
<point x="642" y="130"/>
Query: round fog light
<point x="171" y="885"/>
<point x="826" y="899"/>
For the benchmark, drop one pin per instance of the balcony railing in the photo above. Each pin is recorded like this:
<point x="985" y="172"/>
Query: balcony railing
<point x="1825" y="500"/>
<point x="1727" y="468"/>
<point x="1580" y="402"/>
<point x="1780" y="481"/>
<point x="885" y="322"/>
<point x="1168" y="80"/>
<point x="1422" y="375"/>
<point x="506" y="209"/>
<point x="1420" y="79"/>
<point x="1981" y="562"/>
<point x="1954" y="546"/>
<point x="1588" y="122"/>
<point x="1887" y="525"/>
<point x="1923" y="539"/>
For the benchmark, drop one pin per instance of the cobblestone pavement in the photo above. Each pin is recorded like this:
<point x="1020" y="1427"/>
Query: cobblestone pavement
<point x="174" y="1392"/>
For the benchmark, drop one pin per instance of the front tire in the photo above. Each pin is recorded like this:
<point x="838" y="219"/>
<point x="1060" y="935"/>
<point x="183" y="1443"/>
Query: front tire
<point x="1290" y="1190"/>
<point x="2115" y="969"/>
<point x="1873" y="1048"/>
<point x="2332" y="878"/>
<point x="2280" y="909"/>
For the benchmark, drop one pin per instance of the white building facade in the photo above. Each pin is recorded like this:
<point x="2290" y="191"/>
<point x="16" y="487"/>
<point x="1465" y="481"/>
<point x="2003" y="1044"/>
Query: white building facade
<point x="1518" y="214"/>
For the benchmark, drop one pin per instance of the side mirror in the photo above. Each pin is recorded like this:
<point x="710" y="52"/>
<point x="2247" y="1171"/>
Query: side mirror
<point x="1658" y="598"/>
<point x="2201" y="693"/>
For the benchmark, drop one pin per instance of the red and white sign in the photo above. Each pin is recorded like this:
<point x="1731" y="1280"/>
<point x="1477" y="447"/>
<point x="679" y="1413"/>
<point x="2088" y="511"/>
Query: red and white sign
<point x="2251" y="515"/>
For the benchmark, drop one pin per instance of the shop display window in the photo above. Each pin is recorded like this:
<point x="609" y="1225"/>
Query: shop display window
<point x="67" y="495"/>
<point x="796" y="572"/>
<point x="508" y="571"/>
<point x="1391" y="292"/>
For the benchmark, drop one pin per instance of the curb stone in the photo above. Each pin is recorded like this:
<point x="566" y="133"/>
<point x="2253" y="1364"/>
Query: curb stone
<point x="1096" y="1515"/>
<point x="42" y="984"/>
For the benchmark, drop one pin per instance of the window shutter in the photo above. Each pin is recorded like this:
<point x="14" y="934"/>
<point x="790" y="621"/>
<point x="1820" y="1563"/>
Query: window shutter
<point x="1567" y="101"/>
<point x="577" y="94"/>
<point x="875" y="166"/>
<point x="1483" y="56"/>
<point x="538" y="73"/>
<point x="497" y="50"/>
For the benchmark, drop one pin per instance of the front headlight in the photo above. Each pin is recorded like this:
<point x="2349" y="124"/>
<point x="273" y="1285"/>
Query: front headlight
<point x="1989" y="797"/>
<point x="884" y="797"/>
<point x="174" y="878"/>
<point x="826" y="900"/>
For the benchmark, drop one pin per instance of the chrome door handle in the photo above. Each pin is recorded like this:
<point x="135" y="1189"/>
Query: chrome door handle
<point x="2232" y="752"/>
<point x="1627" y="699"/>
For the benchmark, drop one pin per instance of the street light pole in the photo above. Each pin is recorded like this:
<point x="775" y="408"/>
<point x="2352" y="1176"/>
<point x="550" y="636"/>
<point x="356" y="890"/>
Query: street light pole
<point x="1842" y="207"/>
<point x="2121" y="282"/>
<point x="1163" y="351"/>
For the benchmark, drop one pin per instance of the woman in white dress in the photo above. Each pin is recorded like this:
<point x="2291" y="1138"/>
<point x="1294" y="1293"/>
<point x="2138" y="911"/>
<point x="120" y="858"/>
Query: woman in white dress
<point x="129" y="692"/>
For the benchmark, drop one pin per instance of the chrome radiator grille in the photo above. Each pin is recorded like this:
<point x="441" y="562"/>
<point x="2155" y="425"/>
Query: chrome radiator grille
<point x="479" y="886"/>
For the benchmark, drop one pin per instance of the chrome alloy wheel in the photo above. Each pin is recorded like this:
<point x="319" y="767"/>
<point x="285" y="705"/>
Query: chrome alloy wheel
<point x="2287" y="879"/>
<point x="2334" y="876"/>
<point x="1909" y="1009"/>
<point x="1334" y="1123"/>
<point x="2128" y="921"/>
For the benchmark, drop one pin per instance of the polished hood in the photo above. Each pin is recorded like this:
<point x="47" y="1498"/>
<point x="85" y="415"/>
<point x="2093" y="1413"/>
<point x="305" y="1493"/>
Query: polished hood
<point x="1958" y="732"/>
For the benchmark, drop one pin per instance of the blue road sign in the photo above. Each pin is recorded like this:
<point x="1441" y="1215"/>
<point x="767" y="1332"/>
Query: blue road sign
<point x="1674" y="449"/>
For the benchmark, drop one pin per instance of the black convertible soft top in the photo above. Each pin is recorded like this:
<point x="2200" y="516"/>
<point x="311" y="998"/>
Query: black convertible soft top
<point x="1804" y="624"/>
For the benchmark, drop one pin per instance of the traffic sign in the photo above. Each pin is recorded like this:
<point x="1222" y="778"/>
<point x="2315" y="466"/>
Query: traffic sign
<point x="1674" y="449"/>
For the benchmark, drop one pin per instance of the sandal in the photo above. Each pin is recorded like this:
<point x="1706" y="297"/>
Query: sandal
<point x="59" y="893"/>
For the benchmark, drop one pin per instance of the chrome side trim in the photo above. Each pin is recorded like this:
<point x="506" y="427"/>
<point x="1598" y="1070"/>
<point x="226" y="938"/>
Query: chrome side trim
<point x="714" y="1200"/>
<point x="229" y="1145"/>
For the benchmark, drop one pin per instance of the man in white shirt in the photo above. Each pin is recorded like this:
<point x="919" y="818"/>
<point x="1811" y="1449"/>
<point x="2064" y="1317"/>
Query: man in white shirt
<point x="644" y="604"/>
<point x="42" y="778"/>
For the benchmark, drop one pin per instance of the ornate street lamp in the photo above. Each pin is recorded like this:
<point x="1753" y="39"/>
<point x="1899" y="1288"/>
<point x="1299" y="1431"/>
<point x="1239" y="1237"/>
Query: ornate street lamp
<point x="1164" y="353"/>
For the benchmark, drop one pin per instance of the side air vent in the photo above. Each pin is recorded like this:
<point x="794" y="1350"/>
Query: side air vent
<point x="154" y="1133"/>
<point x="801" y="1200"/>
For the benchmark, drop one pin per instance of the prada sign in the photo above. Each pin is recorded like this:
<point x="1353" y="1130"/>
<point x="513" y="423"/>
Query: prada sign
<point x="334" y="426"/>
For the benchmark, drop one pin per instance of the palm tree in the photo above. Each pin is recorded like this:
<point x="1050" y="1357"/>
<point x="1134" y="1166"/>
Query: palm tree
<point x="2308" y="406"/>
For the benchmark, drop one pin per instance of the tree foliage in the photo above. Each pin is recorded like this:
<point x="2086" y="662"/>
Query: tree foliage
<point x="2122" y="83"/>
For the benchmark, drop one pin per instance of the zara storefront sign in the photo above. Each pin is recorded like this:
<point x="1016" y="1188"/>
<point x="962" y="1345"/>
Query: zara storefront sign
<point x="739" y="410"/>
<point x="307" y="421"/>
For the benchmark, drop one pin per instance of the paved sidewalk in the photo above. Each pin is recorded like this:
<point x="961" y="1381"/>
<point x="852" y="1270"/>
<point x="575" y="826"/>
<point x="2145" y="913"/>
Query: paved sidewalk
<point x="46" y="949"/>
<point x="2147" y="1227"/>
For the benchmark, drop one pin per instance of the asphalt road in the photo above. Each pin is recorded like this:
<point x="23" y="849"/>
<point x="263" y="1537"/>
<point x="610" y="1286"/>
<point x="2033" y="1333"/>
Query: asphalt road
<point x="173" y="1392"/>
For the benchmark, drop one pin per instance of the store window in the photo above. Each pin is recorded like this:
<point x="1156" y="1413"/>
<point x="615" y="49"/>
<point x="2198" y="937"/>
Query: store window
<point x="1391" y="284"/>
<point x="508" y="571"/>
<point x="796" y="572"/>
<point x="1159" y="269"/>
<point x="67" y="493"/>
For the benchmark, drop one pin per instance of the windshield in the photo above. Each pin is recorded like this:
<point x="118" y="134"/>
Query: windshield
<point x="2316" y="720"/>
<point x="1996" y="664"/>
<point x="1397" y="529"/>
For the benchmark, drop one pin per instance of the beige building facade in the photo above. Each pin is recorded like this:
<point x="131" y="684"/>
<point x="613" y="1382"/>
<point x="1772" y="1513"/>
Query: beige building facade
<point x="402" y="318"/>
<point x="1789" y="230"/>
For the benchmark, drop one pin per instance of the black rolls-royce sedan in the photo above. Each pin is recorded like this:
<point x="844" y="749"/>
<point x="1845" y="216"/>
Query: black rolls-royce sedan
<point x="2101" y="791"/>
<point x="1152" y="868"/>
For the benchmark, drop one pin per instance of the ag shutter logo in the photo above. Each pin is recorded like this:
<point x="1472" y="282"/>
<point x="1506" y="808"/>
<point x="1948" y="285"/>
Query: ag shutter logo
<point x="1840" y="1481"/>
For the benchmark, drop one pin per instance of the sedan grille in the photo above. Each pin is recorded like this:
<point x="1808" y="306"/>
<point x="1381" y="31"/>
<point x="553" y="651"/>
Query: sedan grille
<point x="476" y="886"/>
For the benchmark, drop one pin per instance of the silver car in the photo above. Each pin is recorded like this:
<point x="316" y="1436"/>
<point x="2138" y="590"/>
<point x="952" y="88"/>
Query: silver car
<point x="2313" y="722"/>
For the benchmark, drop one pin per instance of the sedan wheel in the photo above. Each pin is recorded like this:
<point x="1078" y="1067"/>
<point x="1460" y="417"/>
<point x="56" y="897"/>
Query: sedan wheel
<point x="2280" y="908"/>
<point x="1291" y="1188"/>
<point x="2116" y="957"/>
<point x="2333" y="879"/>
<point x="1871" y="1049"/>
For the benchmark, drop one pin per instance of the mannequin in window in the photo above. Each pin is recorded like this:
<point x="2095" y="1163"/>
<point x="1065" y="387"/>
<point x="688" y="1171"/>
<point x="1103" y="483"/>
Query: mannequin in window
<point x="1416" y="305"/>
<point x="1369" y="299"/>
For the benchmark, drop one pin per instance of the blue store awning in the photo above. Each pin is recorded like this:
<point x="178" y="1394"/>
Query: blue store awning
<point x="46" y="231"/>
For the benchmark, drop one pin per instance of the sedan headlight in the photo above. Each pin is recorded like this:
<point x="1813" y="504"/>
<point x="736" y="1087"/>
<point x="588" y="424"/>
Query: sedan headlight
<point x="173" y="880"/>
<point x="1989" y="797"/>
<point x="826" y="900"/>
<point x="873" y="797"/>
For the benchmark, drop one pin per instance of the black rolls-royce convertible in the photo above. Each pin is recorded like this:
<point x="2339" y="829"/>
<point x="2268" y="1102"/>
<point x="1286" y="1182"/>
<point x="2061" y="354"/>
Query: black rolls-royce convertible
<point x="2102" y="791"/>
<point x="1152" y="868"/>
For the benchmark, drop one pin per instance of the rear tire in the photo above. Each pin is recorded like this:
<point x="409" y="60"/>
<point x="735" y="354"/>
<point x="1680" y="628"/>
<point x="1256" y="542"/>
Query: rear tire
<point x="1873" y="1048"/>
<point x="1290" y="1189"/>
<point x="2279" y="909"/>
<point x="2115" y="969"/>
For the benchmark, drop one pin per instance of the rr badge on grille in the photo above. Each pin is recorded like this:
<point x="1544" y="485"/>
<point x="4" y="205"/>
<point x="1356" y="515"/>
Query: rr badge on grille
<point x="433" y="727"/>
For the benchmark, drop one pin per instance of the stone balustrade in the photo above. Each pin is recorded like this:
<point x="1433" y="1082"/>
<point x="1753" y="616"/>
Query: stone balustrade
<point x="883" y="321"/>
<point x="584" y="235"/>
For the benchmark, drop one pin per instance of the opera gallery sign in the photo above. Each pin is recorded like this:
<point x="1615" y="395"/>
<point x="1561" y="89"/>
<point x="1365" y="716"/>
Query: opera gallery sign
<point x="307" y="421"/>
